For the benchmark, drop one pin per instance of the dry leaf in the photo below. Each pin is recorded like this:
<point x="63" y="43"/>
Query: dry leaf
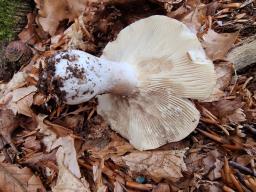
<point x="8" y="123"/>
<point x="224" y="71"/>
<point x="212" y="165"/>
<point x="49" y="136"/>
<point x="28" y="34"/>
<point x="97" y="176"/>
<point x="116" y="147"/>
<point x="69" y="176"/>
<point x="195" y="19"/>
<point x="155" y="164"/>
<point x="118" y="187"/>
<point x="14" y="179"/>
<point x="18" y="80"/>
<point x="227" y="111"/>
<point x="51" y="13"/>
<point x="32" y="143"/>
<point x="218" y="44"/>
<point x="162" y="187"/>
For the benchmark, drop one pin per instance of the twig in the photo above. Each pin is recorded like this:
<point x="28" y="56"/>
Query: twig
<point x="242" y="181"/>
<point x="227" y="171"/>
<point x="143" y="187"/>
<point x="242" y="168"/>
<point x="249" y="185"/>
<point x="211" y="136"/>
<point x="236" y="183"/>
<point x="228" y="189"/>
<point x="232" y="5"/>
<point x="105" y="170"/>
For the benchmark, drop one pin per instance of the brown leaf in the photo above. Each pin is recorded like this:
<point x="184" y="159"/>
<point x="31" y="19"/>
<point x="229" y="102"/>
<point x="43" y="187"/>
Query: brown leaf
<point x="8" y="123"/>
<point x="51" y="13"/>
<point x="224" y="71"/>
<point x="218" y="44"/>
<point x="227" y="111"/>
<point x="14" y="179"/>
<point x="28" y="34"/>
<point x="161" y="187"/>
<point x="69" y="176"/>
<point x="32" y="143"/>
<point x="155" y="164"/>
<point x="195" y="19"/>
<point x="116" y="147"/>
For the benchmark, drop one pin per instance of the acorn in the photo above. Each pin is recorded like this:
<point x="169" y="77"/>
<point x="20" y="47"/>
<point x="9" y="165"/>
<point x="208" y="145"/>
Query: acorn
<point x="17" y="51"/>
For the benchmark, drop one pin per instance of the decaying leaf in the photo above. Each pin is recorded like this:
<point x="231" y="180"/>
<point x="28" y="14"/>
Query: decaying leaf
<point x="18" y="80"/>
<point x="51" y="13"/>
<point x="227" y="111"/>
<point x="8" y="123"/>
<point x="218" y="44"/>
<point x="224" y="71"/>
<point x="28" y="34"/>
<point x="69" y="176"/>
<point x="155" y="164"/>
<point x="195" y="19"/>
<point x="213" y="165"/>
<point x="116" y="147"/>
<point x="15" y="179"/>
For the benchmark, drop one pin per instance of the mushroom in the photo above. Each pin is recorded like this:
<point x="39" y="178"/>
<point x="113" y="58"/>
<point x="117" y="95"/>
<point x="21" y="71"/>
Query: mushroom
<point x="143" y="81"/>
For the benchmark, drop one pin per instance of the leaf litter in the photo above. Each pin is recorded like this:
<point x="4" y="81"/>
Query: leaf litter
<point x="71" y="148"/>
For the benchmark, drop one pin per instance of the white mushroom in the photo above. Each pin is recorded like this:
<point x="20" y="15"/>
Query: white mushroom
<point x="146" y="77"/>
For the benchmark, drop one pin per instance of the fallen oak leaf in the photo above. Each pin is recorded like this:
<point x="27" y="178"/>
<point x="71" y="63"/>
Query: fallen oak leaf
<point x="14" y="179"/>
<point x="157" y="165"/>
<point x="217" y="45"/>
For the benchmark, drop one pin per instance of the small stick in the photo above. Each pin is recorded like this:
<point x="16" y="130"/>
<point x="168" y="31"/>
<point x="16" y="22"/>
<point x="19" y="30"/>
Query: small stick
<point x="249" y="185"/>
<point x="227" y="171"/>
<point x="252" y="182"/>
<point x="228" y="189"/>
<point x="242" y="168"/>
<point x="236" y="183"/>
<point x="232" y="5"/>
<point x="242" y="181"/>
<point x="143" y="187"/>
<point x="233" y="147"/>
<point x="211" y="136"/>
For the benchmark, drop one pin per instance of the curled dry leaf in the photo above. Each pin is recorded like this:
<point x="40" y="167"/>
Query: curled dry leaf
<point x="20" y="100"/>
<point x="155" y="164"/>
<point x="14" y="179"/>
<point x="75" y="34"/>
<point x="51" y="13"/>
<point x="116" y="147"/>
<point x="195" y="19"/>
<point x="217" y="45"/>
<point x="69" y="176"/>
<point x="224" y="71"/>
<point x="227" y="111"/>
<point x="18" y="80"/>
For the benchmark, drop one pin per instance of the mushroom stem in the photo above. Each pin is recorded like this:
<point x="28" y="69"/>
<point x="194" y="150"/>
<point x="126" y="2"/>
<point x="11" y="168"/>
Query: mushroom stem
<point x="81" y="76"/>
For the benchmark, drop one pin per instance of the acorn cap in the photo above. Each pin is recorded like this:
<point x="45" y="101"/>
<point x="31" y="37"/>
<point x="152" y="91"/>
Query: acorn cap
<point x="171" y="67"/>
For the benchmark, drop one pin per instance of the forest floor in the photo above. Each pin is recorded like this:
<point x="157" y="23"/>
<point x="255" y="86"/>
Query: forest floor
<point x="47" y="145"/>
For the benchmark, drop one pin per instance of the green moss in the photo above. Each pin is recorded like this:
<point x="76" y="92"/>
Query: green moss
<point x="8" y="18"/>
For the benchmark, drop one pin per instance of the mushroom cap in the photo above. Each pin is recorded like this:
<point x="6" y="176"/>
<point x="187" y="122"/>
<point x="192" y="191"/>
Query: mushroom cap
<point x="172" y="67"/>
